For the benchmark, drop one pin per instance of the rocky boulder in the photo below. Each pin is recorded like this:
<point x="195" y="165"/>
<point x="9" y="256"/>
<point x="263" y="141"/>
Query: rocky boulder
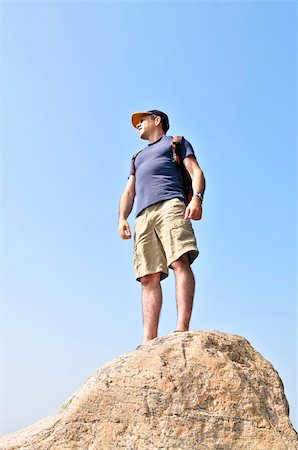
<point x="193" y="391"/>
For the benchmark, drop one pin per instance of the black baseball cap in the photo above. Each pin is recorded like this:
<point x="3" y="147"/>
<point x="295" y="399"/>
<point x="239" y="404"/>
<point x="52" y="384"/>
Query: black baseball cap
<point x="135" y="118"/>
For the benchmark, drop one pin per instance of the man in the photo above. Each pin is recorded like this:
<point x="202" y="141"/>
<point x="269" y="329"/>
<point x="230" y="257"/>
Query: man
<point x="164" y="235"/>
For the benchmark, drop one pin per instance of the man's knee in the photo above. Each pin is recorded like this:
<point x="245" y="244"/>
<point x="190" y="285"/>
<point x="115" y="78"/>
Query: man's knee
<point x="151" y="279"/>
<point x="181" y="264"/>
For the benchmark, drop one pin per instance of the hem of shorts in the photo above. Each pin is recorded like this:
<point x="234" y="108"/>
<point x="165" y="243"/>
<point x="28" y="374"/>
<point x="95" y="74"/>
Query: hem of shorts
<point x="163" y="274"/>
<point x="182" y="252"/>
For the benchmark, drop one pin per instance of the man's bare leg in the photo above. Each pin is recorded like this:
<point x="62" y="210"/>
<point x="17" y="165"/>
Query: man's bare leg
<point x="151" y="303"/>
<point x="185" y="287"/>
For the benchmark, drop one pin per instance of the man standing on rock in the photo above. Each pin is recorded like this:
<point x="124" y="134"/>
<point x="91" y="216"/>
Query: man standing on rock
<point x="164" y="235"/>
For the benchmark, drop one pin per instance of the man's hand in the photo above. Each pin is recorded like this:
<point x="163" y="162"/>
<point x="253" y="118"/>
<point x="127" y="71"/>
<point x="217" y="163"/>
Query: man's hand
<point x="194" y="209"/>
<point x="124" y="229"/>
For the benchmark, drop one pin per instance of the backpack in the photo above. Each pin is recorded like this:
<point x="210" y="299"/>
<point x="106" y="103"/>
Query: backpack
<point x="177" y="159"/>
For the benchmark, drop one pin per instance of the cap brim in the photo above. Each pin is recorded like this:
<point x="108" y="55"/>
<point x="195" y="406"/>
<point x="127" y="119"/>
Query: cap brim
<point x="135" y="118"/>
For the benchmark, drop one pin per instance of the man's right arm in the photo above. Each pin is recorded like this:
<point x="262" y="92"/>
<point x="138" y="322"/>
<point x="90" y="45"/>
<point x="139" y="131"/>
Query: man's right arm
<point x="125" y="208"/>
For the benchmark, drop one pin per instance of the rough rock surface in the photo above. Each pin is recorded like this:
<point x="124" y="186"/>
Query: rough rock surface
<point x="192" y="391"/>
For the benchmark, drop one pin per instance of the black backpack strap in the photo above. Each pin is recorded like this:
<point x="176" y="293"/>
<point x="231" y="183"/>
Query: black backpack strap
<point x="176" y="148"/>
<point x="177" y="158"/>
<point x="133" y="160"/>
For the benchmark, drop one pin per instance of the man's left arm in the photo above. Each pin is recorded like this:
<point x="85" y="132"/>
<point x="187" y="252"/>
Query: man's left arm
<point x="194" y="208"/>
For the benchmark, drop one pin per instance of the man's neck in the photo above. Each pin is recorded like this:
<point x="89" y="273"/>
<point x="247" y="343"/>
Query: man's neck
<point x="155" y="136"/>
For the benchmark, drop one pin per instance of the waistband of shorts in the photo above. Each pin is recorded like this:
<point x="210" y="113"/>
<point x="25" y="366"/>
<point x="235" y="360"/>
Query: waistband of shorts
<point x="157" y="204"/>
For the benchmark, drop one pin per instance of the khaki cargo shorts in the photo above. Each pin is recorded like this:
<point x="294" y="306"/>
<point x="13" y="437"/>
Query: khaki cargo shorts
<point x="162" y="235"/>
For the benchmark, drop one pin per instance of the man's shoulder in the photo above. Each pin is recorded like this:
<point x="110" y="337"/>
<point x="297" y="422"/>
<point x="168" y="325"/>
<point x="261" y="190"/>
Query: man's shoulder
<point x="162" y="141"/>
<point x="166" y="140"/>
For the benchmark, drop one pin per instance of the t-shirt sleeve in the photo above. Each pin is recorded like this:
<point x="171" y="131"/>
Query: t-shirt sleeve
<point x="187" y="149"/>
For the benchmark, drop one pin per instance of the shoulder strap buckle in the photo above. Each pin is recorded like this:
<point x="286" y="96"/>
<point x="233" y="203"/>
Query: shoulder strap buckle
<point x="176" y="148"/>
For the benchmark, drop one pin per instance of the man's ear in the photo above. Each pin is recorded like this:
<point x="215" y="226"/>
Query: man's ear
<point x="157" y="120"/>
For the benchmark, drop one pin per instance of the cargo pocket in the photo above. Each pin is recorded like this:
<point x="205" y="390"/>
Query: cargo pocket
<point x="182" y="240"/>
<point x="178" y="234"/>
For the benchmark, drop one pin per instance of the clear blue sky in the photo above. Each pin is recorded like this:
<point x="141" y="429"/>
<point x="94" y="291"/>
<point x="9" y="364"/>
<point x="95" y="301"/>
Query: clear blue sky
<point x="71" y="75"/>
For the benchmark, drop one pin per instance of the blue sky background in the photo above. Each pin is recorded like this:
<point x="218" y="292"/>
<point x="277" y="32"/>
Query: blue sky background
<point x="71" y="75"/>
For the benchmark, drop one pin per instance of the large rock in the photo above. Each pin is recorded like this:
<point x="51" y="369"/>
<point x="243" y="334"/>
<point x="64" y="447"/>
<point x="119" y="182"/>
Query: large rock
<point x="191" y="391"/>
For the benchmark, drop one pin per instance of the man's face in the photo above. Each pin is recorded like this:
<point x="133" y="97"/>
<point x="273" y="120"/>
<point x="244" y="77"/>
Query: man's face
<point x="146" y="126"/>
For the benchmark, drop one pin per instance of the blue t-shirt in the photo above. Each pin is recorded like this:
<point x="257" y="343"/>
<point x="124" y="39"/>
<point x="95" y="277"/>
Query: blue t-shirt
<point x="158" y="178"/>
